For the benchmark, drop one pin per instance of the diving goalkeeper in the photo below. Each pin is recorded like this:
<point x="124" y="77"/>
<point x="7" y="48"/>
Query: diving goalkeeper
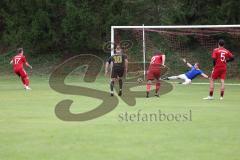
<point x="190" y="75"/>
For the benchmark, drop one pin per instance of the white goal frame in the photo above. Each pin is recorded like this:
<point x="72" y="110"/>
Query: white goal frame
<point x="143" y="27"/>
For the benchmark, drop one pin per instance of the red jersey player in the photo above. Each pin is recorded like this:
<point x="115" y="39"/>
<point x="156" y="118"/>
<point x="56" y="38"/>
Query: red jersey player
<point x="220" y="57"/>
<point x="154" y="72"/>
<point x="17" y="62"/>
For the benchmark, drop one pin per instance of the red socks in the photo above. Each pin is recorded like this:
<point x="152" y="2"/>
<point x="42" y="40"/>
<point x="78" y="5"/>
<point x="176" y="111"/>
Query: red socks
<point x="222" y="93"/>
<point x="25" y="81"/>
<point x="211" y="93"/>
<point x="148" y="87"/>
<point x="157" y="87"/>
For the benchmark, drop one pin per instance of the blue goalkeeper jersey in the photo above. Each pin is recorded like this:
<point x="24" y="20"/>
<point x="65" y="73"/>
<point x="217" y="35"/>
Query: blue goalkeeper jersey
<point x="193" y="73"/>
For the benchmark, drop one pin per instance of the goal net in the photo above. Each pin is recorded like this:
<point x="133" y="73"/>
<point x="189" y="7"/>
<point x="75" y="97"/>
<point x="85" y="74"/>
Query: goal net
<point x="195" y="43"/>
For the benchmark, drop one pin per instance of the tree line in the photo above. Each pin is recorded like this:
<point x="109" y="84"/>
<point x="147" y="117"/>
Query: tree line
<point x="57" y="26"/>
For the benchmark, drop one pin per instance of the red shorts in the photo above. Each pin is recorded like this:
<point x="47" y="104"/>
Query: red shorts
<point x="153" y="74"/>
<point x="21" y="72"/>
<point x="219" y="73"/>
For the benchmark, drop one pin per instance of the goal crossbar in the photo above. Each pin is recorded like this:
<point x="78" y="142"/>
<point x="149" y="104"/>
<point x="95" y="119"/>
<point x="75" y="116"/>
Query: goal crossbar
<point x="143" y="27"/>
<point x="177" y="26"/>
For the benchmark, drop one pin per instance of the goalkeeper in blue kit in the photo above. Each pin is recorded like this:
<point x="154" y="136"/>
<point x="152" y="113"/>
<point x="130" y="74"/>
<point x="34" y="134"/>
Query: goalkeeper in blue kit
<point x="190" y="75"/>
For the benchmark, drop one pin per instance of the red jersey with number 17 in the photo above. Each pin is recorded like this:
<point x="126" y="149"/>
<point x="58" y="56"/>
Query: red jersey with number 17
<point x="18" y="61"/>
<point x="221" y="55"/>
<point x="156" y="61"/>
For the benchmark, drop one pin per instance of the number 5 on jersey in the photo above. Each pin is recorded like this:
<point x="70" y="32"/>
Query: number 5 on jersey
<point x="223" y="58"/>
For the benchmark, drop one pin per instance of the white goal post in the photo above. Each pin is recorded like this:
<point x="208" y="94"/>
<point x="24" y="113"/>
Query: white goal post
<point x="143" y="27"/>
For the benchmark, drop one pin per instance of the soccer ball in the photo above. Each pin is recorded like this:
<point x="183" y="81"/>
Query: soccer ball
<point x="139" y="80"/>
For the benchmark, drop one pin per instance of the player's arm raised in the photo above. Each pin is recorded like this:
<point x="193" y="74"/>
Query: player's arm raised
<point x="188" y="64"/>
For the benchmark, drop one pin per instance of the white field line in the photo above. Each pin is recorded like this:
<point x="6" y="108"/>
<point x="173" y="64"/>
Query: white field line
<point x="195" y="83"/>
<point x="203" y="83"/>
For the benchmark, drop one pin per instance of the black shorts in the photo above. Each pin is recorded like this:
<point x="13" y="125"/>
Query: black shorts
<point x="117" y="72"/>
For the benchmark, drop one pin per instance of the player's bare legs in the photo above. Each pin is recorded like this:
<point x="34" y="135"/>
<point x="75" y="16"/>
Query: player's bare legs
<point x="222" y="89"/>
<point x="149" y="83"/>
<point x="157" y="88"/>
<point x="211" y="90"/>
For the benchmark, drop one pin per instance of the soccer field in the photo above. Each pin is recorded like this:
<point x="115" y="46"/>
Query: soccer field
<point x="31" y="130"/>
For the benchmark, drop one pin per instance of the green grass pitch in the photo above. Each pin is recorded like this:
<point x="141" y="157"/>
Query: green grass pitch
<point x="30" y="130"/>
